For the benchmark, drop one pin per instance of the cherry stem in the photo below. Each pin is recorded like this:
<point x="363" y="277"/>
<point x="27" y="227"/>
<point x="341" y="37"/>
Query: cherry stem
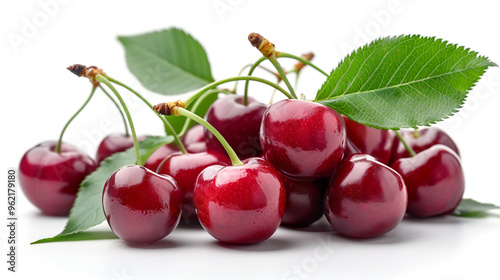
<point x="280" y="70"/>
<point x="305" y="61"/>
<point x="297" y="74"/>
<point x="206" y="88"/>
<point x="59" y="143"/>
<point x="408" y="147"/>
<point x="102" y="79"/>
<point x="127" y="134"/>
<point x="168" y="127"/>
<point x="197" y="104"/>
<point x="272" y="97"/>
<point x="243" y="69"/>
<point x="232" y="155"/>
<point x="250" y="72"/>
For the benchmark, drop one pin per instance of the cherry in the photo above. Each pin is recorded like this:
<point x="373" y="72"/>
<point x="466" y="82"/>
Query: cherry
<point x="303" y="140"/>
<point x="434" y="179"/>
<point x="240" y="204"/>
<point x="140" y="205"/>
<point x="185" y="168"/>
<point x="238" y="123"/>
<point x="198" y="147"/>
<point x="304" y="202"/>
<point x="193" y="135"/>
<point x="114" y="143"/>
<point x="368" y="140"/>
<point x="159" y="155"/>
<point x="194" y="139"/>
<point x="421" y="140"/>
<point x="365" y="198"/>
<point x="50" y="180"/>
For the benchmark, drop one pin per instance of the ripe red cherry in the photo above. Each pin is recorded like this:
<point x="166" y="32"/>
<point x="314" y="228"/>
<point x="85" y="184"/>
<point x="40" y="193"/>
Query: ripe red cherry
<point x="434" y="179"/>
<point x="368" y="140"/>
<point x="304" y="202"/>
<point x="303" y="140"/>
<point x="422" y="140"/>
<point x="51" y="180"/>
<point x="238" y="124"/>
<point x="185" y="168"/>
<point x="159" y="155"/>
<point x="114" y="143"/>
<point x="365" y="198"/>
<point x="240" y="204"/>
<point x="140" y="205"/>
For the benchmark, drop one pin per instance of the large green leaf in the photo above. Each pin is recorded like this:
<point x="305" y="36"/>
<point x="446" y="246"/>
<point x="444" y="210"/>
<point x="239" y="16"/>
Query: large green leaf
<point x="87" y="209"/>
<point x="167" y="61"/>
<point x="404" y="81"/>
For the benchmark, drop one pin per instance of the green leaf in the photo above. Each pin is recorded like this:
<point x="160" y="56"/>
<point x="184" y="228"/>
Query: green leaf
<point x="87" y="209"/>
<point x="473" y="209"/>
<point x="404" y="81"/>
<point x="79" y="236"/>
<point x="168" y="61"/>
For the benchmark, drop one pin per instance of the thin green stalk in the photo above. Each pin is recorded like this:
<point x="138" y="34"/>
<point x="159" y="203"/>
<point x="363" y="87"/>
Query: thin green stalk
<point x="102" y="79"/>
<point x="250" y="65"/>
<point x="272" y="97"/>
<point x="232" y="155"/>
<point x="119" y="109"/>
<point x="305" y="61"/>
<point x="59" y="143"/>
<point x="278" y="67"/>
<point x="208" y="87"/>
<point x="168" y="127"/>
<point x="408" y="147"/>
<point x="250" y="72"/>
<point x="297" y="74"/>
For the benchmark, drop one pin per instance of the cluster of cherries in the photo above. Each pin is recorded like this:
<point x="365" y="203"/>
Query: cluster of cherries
<point x="300" y="160"/>
<point x="251" y="168"/>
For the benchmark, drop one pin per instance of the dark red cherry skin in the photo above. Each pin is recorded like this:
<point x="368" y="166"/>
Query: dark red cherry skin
<point x="365" y="198"/>
<point x="239" y="124"/>
<point x="422" y="140"/>
<point x="434" y="179"/>
<point x="114" y="143"/>
<point x="240" y="204"/>
<point x="302" y="139"/>
<point x="193" y="135"/>
<point x="185" y="168"/>
<point x="140" y="205"/>
<point x="50" y="180"/>
<point x="159" y="155"/>
<point x="368" y="140"/>
<point x="304" y="202"/>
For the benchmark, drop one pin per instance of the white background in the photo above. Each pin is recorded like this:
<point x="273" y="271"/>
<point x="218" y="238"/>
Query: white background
<point x="39" y="95"/>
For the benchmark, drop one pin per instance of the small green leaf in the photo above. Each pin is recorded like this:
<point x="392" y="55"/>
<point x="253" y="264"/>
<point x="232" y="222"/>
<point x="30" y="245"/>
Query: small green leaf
<point x="404" y="81"/>
<point x="79" y="236"/>
<point x="168" y="61"/>
<point x="473" y="209"/>
<point x="87" y="209"/>
<point x="200" y="109"/>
